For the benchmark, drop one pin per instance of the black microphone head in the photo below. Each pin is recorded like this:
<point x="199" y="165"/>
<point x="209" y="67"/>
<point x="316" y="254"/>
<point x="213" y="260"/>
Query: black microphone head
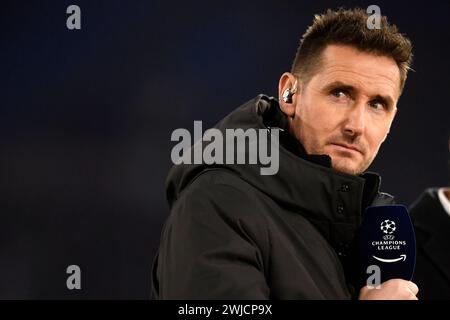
<point x="386" y="244"/>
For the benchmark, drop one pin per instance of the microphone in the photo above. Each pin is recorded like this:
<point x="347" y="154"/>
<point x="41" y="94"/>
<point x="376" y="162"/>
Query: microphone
<point x="385" y="246"/>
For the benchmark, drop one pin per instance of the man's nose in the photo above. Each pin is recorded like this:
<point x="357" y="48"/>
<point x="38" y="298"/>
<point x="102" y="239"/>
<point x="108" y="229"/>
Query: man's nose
<point x="355" y="120"/>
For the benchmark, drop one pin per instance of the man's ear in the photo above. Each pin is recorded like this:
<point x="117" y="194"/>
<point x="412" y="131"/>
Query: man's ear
<point x="288" y="82"/>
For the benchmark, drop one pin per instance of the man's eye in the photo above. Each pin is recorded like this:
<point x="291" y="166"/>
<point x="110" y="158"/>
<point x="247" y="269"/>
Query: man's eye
<point x="379" y="105"/>
<point x="339" y="93"/>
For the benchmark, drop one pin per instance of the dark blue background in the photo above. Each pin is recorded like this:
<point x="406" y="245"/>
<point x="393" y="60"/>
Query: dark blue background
<point x="86" y="118"/>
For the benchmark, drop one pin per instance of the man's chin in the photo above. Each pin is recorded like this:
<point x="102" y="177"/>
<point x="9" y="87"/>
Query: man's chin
<point x="347" y="166"/>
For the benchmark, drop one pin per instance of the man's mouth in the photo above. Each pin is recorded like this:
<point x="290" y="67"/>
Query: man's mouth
<point x="347" y="147"/>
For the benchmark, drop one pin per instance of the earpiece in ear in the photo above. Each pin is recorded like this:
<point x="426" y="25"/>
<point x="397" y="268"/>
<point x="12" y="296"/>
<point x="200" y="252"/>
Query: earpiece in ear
<point x="287" y="96"/>
<point x="288" y="93"/>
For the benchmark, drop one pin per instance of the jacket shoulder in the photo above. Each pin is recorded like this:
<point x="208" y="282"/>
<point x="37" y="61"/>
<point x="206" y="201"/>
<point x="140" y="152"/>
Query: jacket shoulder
<point x="218" y="199"/>
<point x="223" y="188"/>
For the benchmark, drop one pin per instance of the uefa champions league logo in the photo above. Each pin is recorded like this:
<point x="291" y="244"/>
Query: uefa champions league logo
<point x="388" y="227"/>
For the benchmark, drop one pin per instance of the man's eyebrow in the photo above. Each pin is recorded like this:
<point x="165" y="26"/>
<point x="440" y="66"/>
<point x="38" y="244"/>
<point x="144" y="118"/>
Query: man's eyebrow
<point x="341" y="85"/>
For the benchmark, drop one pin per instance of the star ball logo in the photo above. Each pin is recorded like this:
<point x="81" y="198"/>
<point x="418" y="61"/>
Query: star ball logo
<point x="388" y="227"/>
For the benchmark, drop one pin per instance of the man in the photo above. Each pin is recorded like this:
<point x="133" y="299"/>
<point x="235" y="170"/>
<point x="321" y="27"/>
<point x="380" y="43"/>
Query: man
<point x="431" y="217"/>
<point x="236" y="234"/>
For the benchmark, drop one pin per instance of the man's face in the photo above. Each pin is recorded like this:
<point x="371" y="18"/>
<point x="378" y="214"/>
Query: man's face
<point x="347" y="107"/>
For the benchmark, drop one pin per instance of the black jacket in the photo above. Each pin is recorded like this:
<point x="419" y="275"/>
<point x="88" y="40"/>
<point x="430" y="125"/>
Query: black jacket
<point x="432" y="226"/>
<point x="235" y="234"/>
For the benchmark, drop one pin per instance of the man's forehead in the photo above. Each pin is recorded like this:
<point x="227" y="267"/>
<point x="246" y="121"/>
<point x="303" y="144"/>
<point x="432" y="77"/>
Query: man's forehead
<point x="358" y="68"/>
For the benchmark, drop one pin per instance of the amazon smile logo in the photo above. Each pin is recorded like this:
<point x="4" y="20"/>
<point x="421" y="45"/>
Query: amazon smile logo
<point x="402" y="257"/>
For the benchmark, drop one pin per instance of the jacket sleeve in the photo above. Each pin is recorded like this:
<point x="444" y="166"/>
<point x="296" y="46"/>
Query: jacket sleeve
<point x="209" y="247"/>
